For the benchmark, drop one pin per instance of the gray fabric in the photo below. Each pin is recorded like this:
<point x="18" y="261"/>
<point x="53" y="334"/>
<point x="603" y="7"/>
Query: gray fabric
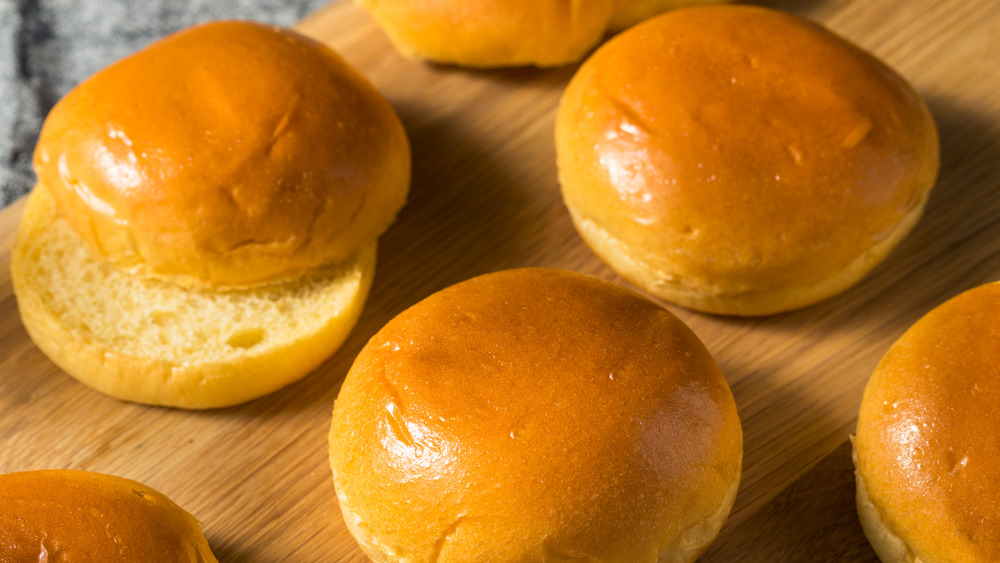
<point x="49" y="46"/>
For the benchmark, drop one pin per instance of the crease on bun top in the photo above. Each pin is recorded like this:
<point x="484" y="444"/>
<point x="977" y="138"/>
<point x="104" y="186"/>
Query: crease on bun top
<point x="165" y="169"/>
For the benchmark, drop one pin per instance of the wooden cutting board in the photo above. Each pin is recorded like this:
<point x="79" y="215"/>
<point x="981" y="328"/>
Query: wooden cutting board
<point x="484" y="198"/>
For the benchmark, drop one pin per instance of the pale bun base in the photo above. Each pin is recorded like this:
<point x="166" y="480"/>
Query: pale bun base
<point x="70" y="516"/>
<point x="685" y="548"/>
<point x="890" y="547"/>
<point x="658" y="275"/>
<point x="148" y="341"/>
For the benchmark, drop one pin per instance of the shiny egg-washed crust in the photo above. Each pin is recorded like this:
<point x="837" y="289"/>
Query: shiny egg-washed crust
<point x="535" y="415"/>
<point x="65" y="516"/>
<point x="227" y="154"/>
<point x="739" y="160"/>
<point x="928" y="438"/>
<point x="496" y="33"/>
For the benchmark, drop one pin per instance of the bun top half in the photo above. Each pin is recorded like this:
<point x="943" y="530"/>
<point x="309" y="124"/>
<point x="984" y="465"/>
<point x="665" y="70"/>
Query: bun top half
<point x="928" y="438"/>
<point x="227" y="154"/>
<point x="530" y="413"/>
<point x="740" y="150"/>
<point x="64" y="515"/>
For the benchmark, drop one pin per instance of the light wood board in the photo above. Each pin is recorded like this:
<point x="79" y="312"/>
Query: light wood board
<point x="484" y="198"/>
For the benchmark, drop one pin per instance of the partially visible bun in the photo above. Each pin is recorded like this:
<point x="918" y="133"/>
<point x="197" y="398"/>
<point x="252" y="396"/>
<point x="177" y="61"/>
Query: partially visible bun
<point x="495" y="33"/>
<point x="928" y="437"/>
<point x="739" y="160"/>
<point x="228" y="154"/>
<point x="63" y="515"/>
<point x="535" y="415"/>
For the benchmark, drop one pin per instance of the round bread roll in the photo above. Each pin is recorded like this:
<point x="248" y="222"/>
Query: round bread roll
<point x="738" y="160"/>
<point x="64" y="515"/>
<point x="228" y="154"/>
<point x="928" y="437"/>
<point x="535" y="415"/>
<point x="204" y="227"/>
<point x="497" y="33"/>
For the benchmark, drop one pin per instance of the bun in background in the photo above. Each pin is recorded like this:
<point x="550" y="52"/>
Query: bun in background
<point x="738" y="160"/>
<point x="498" y="33"/>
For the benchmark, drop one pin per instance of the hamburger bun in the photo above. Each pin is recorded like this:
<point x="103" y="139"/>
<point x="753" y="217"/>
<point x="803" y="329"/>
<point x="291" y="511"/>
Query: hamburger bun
<point x="64" y="515"/>
<point x="499" y="33"/>
<point x="535" y="415"/>
<point x="742" y="161"/>
<point x="204" y="226"/>
<point x="928" y="437"/>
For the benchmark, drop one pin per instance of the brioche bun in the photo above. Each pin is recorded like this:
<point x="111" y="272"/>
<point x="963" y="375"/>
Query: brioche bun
<point x="738" y="160"/>
<point x="64" y="515"/>
<point x="204" y="228"/>
<point x="227" y="154"/>
<point x="496" y="33"/>
<point x="535" y="415"/>
<point x="928" y="439"/>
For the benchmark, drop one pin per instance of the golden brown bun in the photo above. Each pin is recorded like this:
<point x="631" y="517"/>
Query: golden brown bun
<point x="928" y="441"/>
<point x="739" y="160"/>
<point x="494" y="33"/>
<point x="228" y="154"/>
<point x="535" y="415"/>
<point x="63" y="516"/>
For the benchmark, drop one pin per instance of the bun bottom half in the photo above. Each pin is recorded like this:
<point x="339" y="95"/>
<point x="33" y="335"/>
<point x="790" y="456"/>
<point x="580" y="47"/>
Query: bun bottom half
<point x="654" y="272"/>
<point x="149" y="341"/>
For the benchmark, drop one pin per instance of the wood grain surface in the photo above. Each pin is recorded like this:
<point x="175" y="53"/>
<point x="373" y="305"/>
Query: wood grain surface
<point x="484" y="198"/>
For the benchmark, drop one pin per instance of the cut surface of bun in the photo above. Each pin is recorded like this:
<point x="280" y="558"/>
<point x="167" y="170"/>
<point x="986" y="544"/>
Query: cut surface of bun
<point x="535" y="415"/>
<point x="65" y="516"/>
<point x="738" y="160"/>
<point x="229" y="154"/>
<point x="928" y="438"/>
<point x="149" y="341"/>
<point x="495" y="33"/>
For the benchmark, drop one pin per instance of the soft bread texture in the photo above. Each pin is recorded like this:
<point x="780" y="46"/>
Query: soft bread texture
<point x="535" y="415"/>
<point x="64" y="516"/>
<point x="149" y="341"/>
<point x="229" y="154"/>
<point x="739" y="160"/>
<point x="928" y="439"/>
<point x="496" y="33"/>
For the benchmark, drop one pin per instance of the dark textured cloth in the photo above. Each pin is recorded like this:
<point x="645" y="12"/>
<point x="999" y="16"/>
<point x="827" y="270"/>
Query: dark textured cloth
<point x="49" y="46"/>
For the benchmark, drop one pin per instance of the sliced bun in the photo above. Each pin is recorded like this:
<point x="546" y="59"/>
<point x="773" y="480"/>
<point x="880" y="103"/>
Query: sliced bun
<point x="149" y="341"/>
<point x="63" y="515"/>
<point x="739" y="160"/>
<point x="228" y="154"/>
<point x="496" y="33"/>
<point x="535" y="415"/>
<point x="928" y="439"/>
<point x="205" y="223"/>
